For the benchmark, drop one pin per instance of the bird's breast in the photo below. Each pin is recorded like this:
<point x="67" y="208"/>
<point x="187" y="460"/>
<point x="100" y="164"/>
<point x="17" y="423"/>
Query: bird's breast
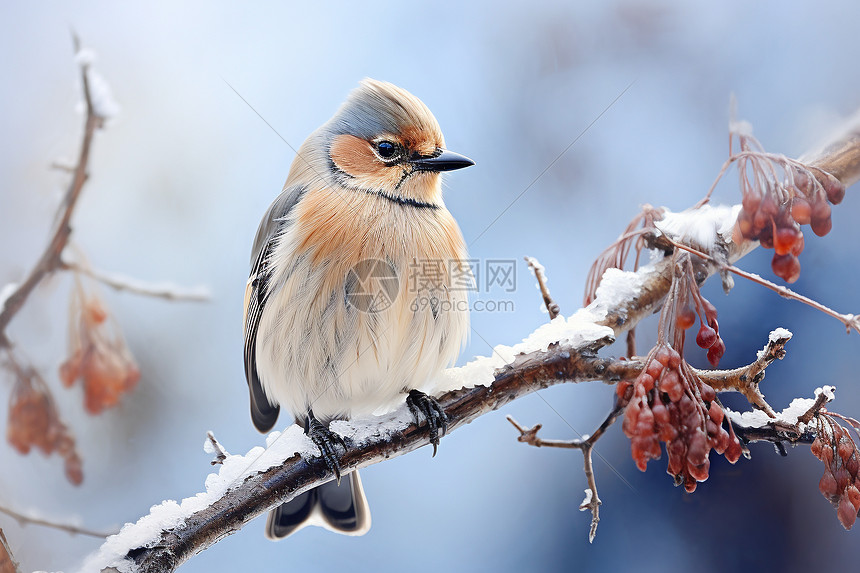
<point x="372" y="299"/>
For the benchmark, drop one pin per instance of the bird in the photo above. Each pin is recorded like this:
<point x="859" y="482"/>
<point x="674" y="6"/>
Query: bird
<point x="358" y="291"/>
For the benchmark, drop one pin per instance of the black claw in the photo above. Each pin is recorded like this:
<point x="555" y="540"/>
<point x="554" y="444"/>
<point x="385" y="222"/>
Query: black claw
<point x="327" y="441"/>
<point x="422" y="405"/>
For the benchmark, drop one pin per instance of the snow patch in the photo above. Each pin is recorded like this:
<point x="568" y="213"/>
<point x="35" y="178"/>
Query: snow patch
<point x="701" y="227"/>
<point x="797" y="408"/>
<point x="6" y="292"/>
<point x="775" y="334"/>
<point x="585" y="502"/>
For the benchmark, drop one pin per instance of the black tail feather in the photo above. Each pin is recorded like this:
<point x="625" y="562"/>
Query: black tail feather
<point x="340" y="508"/>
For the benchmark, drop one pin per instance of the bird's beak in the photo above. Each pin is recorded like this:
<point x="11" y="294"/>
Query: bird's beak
<point x="445" y="161"/>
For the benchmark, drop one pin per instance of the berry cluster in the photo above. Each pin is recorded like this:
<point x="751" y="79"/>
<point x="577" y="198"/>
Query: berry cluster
<point x="668" y="403"/>
<point x="103" y="362"/>
<point x="34" y="422"/>
<point x="840" y="483"/>
<point x="773" y="211"/>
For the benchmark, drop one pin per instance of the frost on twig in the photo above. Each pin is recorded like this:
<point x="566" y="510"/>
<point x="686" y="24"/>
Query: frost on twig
<point x="212" y="446"/>
<point x="25" y="519"/>
<point x="120" y="282"/>
<point x="551" y="307"/>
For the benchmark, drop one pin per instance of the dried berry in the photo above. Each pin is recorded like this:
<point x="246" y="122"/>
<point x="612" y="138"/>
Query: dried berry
<point x="98" y="355"/>
<point x="34" y="422"/>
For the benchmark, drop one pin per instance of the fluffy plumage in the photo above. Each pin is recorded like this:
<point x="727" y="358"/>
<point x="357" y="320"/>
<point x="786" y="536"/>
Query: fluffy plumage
<point x="364" y="187"/>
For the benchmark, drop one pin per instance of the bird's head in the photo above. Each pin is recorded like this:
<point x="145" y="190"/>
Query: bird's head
<point x="384" y="139"/>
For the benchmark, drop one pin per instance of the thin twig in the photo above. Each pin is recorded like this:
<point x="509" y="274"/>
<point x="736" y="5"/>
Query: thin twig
<point x="820" y="401"/>
<point x="220" y="453"/>
<point x="592" y="500"/>
<point x="121" y="283"/>
<point x="746" y="379"/>
<point x="851" y="321"/>
<point x="551" y="307"/>
<point x="50" y="259"/>
<point x="73" y="529"/>
<point x="4" y="545"/>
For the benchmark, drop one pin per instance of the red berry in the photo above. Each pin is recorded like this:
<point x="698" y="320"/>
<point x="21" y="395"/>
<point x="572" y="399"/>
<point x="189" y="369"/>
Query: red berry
<point x="700" y="472"/>
<point x="834" y="188"/>
<point x="784" y="239"/>
<point x="787" y="267"/>
<point x="751" y="201"/>
<point x="846" y="513"/>
<point x="676" y="450"/>
<point x="645" y="381"/>
<point x="802" y="181"/>
<point x="843" y="479"/>
<point x="798" y="245"/>
<point x="853" y="494"/>
<point x="671" y="385"/>
<point x="655" y="368"/>
<point x="827" y="455"/>
<point x="768" y="205"/>
<point x="708" y="394"/>
<point x="662" y="355"/>
<point x="674" y="359"/>
<point x="685" y="318"/>
<point x="845" y="449"/>
<point x="716" y="413"/>
<point x="827" y="485"/>
<point x="706" y="337"/>
<point x="821" y="222"/>
<point x="716" y="352"/>
<point x="661" y="414"/>
<point x="801" y="210"/>
<point x="853" y="466"/>
<point x="816" y="447"/>
<point x="760" y="220"/>
<point x="733" y="451"/>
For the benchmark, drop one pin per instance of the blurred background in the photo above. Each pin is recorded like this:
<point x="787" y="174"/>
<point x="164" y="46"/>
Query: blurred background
<point x="181" y="177"/>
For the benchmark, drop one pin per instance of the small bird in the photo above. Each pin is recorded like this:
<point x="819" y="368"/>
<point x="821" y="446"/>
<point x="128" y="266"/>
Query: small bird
<point x="357" y="296"/>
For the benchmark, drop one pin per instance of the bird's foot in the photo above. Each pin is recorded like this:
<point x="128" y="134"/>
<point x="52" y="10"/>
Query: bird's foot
<point x="327" y="441"/>
<point x="422" y="405"/>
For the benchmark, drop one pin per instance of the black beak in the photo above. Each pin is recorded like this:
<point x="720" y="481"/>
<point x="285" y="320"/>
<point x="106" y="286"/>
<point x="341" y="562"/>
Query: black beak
<point x="445" y="161"/>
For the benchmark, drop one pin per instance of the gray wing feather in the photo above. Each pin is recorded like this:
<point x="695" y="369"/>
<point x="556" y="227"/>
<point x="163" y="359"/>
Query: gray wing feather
<point x="263" y="414"/>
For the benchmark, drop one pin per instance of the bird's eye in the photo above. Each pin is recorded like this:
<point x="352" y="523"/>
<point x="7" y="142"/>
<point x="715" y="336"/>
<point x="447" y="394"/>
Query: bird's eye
<point x="386" y="149"/>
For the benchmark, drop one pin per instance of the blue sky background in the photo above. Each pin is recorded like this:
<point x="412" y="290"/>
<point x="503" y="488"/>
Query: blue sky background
<point x="183" y="174"/>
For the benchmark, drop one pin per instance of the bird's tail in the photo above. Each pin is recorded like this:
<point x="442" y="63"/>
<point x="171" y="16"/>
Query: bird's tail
<point x="340" y="508"/>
